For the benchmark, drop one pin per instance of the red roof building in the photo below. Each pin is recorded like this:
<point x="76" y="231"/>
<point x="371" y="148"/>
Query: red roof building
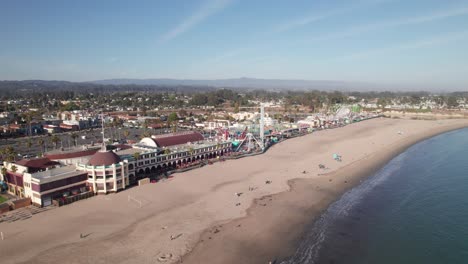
<point x="38" y="164"/>
<point x="104" y="158"/>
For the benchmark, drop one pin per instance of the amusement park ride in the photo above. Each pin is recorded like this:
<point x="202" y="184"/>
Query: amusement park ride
<point x="246" y="138"/>
<point x="249" y="138"/>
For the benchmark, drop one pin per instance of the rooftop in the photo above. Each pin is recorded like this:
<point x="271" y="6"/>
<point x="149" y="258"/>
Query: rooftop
<point x="132" y="151"/>
<point x="56" y="174"/>
<point x="72" y="153"/>
<point x="37" y="164"/>
<point x="104" y="158"/>
<point x="172" y="139"/>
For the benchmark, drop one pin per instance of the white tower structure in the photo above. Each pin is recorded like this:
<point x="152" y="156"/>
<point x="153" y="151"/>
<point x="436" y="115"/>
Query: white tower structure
<point x="262" y="126"/>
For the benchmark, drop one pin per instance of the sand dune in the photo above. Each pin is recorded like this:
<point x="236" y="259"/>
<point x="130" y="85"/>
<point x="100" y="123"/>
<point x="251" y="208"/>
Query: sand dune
<point x="200" y="209"/>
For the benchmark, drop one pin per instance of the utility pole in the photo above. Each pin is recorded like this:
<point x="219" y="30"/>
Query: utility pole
<point x="103" y="143"/>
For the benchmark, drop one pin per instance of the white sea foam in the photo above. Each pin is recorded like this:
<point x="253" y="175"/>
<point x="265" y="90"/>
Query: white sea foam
<point x="309" y="248"/>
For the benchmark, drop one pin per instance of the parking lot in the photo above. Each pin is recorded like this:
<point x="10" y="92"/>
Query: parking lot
<point x="85" y="137"/>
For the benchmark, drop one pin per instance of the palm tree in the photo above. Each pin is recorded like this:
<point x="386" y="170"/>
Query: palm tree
<point x="296" y="108"/>
<point x="14" y="169"/>
<point x="167" y="151"/>
<point x="41" y="142"/>
<point x="126" y="133"/>
<point x="115" y="122"/>
<point x="28" y="118"/>
<point x="136" y="155"/>
<point x="74" y="136"/>
<point x="46" y="144"/>
<point x="29" y="144"/>
<point x="146" y="134"/>
<point x="55" y="139"/>
<point x="191" y="151"/>
<point x="10" y="153"/>
<point x="4" y="172"/>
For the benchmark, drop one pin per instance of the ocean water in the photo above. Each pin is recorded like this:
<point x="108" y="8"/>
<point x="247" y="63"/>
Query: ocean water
<point x="414" y="210"/>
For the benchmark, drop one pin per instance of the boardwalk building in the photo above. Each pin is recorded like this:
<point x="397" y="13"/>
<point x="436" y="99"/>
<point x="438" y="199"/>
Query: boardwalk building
<point x="111" y="171"/>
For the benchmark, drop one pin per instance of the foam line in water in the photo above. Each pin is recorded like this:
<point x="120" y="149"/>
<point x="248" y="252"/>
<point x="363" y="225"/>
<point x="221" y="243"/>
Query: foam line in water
<point x="309" y="248"/>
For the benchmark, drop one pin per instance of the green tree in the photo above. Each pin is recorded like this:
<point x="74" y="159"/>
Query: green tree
<point x="172" y="121"/>
<point x="172" y="117"/>
<point x="146" y="133"/>
<point x="136" y="155"/>
<point x="382" y="102"/>
<point x="199" y="99"/>
<point x="4" y="172"/>
<point x="74" y="136"/>
<point x="55" y="140"/>
<point x="10" y="153"/>
<point x="236" y="108"/>
<point x="452" y="102"/>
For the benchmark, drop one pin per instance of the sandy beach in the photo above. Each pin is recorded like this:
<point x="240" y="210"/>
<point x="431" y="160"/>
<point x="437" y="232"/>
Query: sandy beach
<point x="222" y="213"/>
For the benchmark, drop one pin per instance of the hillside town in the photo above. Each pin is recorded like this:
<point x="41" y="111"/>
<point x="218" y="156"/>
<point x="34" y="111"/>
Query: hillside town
<point x="73" y="148"/>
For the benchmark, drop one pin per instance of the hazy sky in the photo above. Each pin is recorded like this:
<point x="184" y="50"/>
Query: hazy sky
<point x="390" y="41"/>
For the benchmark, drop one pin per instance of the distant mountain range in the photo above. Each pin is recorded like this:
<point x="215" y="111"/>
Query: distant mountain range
<point x="270" y="84"/>
<point x="237" y="83"/>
